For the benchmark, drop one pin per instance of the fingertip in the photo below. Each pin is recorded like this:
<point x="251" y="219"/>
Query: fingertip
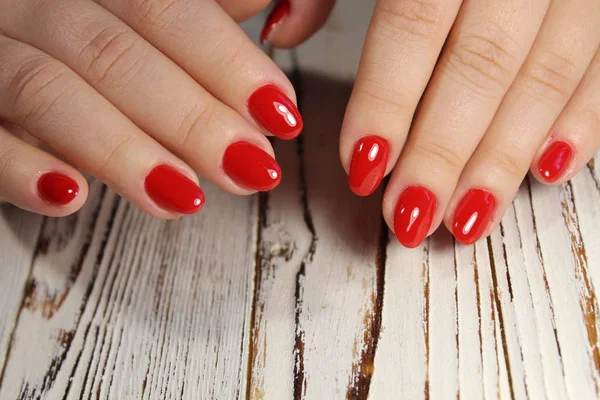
<point x="292" y="22"/>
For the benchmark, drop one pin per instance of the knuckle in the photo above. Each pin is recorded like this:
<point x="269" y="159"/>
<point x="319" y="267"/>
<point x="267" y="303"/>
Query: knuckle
<point x="111" y="155"/>
<point x="111" y="57"/>
<point x="483" y="61"/>
<point x="153" y="12"/>
<point x="417" y="19"/>
<point x="36" y="86"/>
<point x="228" y="57"/>
<point x="439" y="156"/>
<point x="197" y="120"/>
<point x="9" y="157"/>
<point x="550" y="76"/>
<point x="507" y="164"/>
<point x="384" y="100"/>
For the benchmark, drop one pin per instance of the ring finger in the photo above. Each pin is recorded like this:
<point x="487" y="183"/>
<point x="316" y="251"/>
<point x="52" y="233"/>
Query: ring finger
<point x="152" y="91"/>
<point x="556" y="64"/>
<point x="483" y="53"/>
<point x="54" y="105"/>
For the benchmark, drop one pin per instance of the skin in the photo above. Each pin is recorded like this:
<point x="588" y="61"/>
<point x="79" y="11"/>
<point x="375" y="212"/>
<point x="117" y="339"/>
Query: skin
<point x="497" y="83"/>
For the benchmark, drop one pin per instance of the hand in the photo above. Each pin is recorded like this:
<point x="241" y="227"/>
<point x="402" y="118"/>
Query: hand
<point x="503" y="86"/>
<point x="139" y="93"/>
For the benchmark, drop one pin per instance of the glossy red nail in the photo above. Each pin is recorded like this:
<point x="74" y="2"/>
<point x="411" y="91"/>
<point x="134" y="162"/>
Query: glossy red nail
<point x="368" y="164"/>
<point x="57" y="188"/>
<point x="279" y="12"/>
<point x="473" y="215"/>
<point x="554" y="161"/>
<point x="275" y="112"/>
<point x="251" y="167"/>
<point x="174" y="191"/>
<point x="414" y="213"/>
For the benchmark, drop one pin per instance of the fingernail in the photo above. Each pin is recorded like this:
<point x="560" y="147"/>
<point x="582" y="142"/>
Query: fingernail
<point x="174" y="191"/>
<point x="279" y="12"/>
<point x="275" y="112"/>
<point x="251" y="167"/>
<point x="414" y="214"/>
<point x="368" y="164"/>
<point x="473" y="215"/>
<point x="555" y="161"/>
<point x="57" y="188"/>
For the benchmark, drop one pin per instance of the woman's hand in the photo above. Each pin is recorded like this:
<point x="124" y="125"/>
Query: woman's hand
<point x="503" y="86"/>
<point x="140" y="93"/>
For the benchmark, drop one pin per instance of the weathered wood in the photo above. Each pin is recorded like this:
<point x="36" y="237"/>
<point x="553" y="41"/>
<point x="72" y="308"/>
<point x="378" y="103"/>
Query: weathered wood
<point x="19" y="232"/>
<point x="122" y="305"/>
<point x="302" y="293"/>
<point x="320" y="268"/>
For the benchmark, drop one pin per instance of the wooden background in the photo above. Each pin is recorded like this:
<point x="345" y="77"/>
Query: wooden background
<point x="302" y="293"/>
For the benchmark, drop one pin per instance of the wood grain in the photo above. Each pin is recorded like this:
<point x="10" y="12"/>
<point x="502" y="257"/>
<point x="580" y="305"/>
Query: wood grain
<point x="119" y="304"/>
<point x="302" y="293"/>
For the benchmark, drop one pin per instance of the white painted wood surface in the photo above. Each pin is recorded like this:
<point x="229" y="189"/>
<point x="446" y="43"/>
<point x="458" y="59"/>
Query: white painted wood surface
<point x="302" y="293"/>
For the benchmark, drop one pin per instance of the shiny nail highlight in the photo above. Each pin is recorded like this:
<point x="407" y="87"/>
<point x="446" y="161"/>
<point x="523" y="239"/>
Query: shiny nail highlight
<point x="280" y="11"/>
<point x="368" y="164"/>
<point x="174" y="191"/>
<point x="473" y="215"/>
<point x="414" y="214"/>
<point x="554" y="161"/>
<point x="251" y="167"/>
<point x="275" y="112"/>
<point x="57" y="189"/>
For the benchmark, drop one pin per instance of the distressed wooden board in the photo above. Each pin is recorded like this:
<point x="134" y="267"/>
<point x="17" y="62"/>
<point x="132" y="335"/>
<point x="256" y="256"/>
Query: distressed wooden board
<point x="19" y="231"/>
<point x="120" y="305"/>
<point x="302" y="293"/>
<point x="320" y="267"/>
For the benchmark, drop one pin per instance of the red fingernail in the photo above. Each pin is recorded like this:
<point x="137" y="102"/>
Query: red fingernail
<point x="414" y="214"/>
<point x="279" y="12"/>
<point x="250" y="166"/>
<point x="368" y="164"/>
<point x="555" y="161"/>
<point x="57" y="188"/>
<point x="275" y="112"/>
<point x="174" y="191"/>
<point x="473" y="215"/>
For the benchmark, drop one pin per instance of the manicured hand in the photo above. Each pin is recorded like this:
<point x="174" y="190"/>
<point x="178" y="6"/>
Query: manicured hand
<point x="139" y="93"/>
<point x="503" y="87"/>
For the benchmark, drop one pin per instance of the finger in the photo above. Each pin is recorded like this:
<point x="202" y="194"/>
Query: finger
<point x="293" y="21"/>
<point x="203" y="40"/>
<point x="563" y="51"/>
<point x="401" y="48"/>
<point x="56" y="106"/>
<point x="152" y="91"/>
<point x="242" y="10"/>
<point x="35" y="181"/>
<point x="575" y="136"/>
<point x="482" y="56"/>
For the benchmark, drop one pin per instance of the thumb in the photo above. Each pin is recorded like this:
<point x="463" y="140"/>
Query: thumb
<point x="293" y="21"/>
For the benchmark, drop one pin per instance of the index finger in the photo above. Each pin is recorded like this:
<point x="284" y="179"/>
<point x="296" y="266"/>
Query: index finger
<point x="403" y="43"/>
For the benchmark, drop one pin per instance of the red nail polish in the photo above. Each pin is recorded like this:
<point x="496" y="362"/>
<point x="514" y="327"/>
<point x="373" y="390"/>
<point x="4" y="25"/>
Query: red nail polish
<point x="368" y="164"/>
<point x="279" y="12"/>
<point x="275" y="112"/>
<point x="473" y="215"/>
<point x="174" y="191"/>
<point x="250" y="166"/>
<point x="555" y="161"/>
<point x="414" y="214"/>
<point x="57" y="188"/>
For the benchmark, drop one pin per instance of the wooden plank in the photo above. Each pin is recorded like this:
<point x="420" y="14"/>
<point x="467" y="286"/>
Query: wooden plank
<point x="19" y="232"/>
<point x="317" y="303"/>
<point x="123" y="305"/>
<point x="575" y="315"/>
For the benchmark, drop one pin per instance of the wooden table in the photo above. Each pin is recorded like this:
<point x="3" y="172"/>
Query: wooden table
<point x="302" y="292"/>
